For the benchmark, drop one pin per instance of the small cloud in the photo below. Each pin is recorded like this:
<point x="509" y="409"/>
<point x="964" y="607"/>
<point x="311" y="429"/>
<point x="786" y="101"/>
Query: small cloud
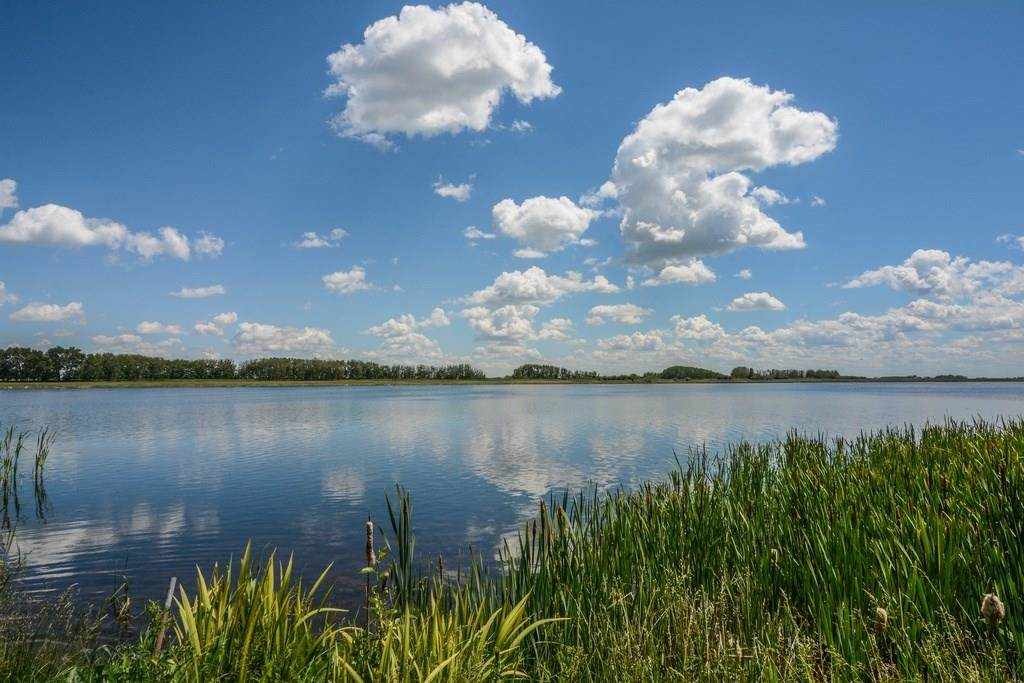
<point x="818" y="201"/>
<point x="347" y="281"/>
<point x="459" y="193"/>
<point x="744" y="274"/>
<point x="199" y="292"/>
<point x="756" y="301"/>
<point x="474" y="233"/>
<point x="313" y="240"/>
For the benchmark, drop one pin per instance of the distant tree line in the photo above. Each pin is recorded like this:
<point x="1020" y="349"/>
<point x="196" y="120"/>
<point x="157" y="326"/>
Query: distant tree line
<point x="70" y="364"/>
<point x="534" y="371"/>
<point x="320" y="369"/>
<point x="689" y="372"/>
<point x="750" y="373"/>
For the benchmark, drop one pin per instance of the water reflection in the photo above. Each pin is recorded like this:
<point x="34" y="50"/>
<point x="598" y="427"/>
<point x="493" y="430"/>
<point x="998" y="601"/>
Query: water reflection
<point x="151" y="482"/>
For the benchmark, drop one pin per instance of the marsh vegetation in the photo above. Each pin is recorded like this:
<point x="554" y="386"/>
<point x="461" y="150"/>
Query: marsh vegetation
<point x="895" y="555"/>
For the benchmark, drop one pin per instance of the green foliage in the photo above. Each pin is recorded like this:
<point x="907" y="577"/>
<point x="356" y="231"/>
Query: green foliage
<point x="688" y="372"/>
<point x="862" y="559"/>
<point x="18" y="364"/>
<point x="551" y="372"/>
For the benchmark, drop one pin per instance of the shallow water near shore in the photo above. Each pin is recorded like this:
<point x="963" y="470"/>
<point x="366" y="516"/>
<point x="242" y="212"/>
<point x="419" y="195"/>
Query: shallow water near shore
<point x="148" y="483"/>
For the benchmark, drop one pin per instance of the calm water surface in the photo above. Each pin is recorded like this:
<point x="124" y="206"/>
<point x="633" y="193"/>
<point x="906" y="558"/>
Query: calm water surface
<point x="147" y="483"/>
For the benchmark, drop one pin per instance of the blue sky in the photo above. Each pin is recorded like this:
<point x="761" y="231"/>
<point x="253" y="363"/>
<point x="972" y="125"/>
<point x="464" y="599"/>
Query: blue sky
<point x="120" y="120"/>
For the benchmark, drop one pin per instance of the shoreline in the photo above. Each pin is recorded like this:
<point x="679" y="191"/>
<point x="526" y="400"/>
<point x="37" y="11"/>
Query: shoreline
<point x="245" y="383"/>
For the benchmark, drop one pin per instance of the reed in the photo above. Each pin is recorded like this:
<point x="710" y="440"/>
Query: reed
<point x="895" y="555"/>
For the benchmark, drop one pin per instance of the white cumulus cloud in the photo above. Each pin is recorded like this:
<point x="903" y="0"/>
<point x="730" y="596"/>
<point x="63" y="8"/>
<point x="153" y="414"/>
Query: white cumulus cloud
<point x="473" y="233"/>
<point x="55" y="225"/>
<point x="429" y="71"/>
<point x="347" y="281"/>
<point x="314" y="240"/>
<point x="756" y="301"/>
<point x="534" y="286"/>
<point x="542" y="224"/>
<point x="153" y="327"/>
<point x="679" y="176"/>
<point x="261" y="338"/>
<point x="934" y="272"/>
<point x="627" y="314"/>
<point x="459" y="193"/>
<point x="689" y="272"/>
<point x="49" y="313"/>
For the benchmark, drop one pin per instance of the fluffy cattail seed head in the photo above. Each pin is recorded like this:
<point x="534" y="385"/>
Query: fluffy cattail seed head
<point x="881" y="619"/>
<point x="992" y="609"/>
<point x="371" y="557"/>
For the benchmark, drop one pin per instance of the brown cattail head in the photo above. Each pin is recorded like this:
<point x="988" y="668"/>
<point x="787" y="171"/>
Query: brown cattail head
<point x="371" y="557"/>
<point x="992" y="609"/>
<point x="881" y="619"/>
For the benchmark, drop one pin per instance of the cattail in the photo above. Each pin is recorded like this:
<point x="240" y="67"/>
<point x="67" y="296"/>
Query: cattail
<point x="881" y="619"/>
<point x="371" y="557"/>
<point x="992" y="609"/>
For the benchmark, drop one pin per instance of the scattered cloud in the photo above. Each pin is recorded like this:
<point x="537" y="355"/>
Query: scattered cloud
<point x="1015" y="240"/>
<point x="744" y="274"/>
<point x="199" y="292"/>
<point x="679" y="176"/>
<point x="472" y="233"/>
<point x="313" y="240"/>
<point x="260" y="338"/>
<point x="216" y="325"/>
<point x="407" y="323"/>
<point x="625" y="314"/>
<point x="60" y="226"/>
<point x="152" y="327"/>
<point x="756" y="301"/>
<point x="459" y="193"/>
<point x="49" y="313"/>
<point x="534" y="286"/>
<point x="934" y="272"/>
<point x="818" y="201"/>
<point x="347" y="281"/>
<point x="401" y="337"/>
<point x="8" y="194"/>
<point x="430" y="71"/>
<point x="541" y="224"/>
<point x="5" y="296"/>
<point x="769" y="196"/>
<point x="691" y="272"/>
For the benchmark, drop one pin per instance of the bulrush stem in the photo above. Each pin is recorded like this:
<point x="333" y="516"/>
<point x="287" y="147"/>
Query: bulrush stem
<point x="371" y="563"/>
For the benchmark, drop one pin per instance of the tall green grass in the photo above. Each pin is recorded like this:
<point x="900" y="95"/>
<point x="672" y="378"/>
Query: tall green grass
<point x="804" y="559"/>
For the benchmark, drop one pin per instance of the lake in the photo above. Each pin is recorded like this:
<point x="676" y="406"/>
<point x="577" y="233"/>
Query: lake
<point x="148" y="483"/>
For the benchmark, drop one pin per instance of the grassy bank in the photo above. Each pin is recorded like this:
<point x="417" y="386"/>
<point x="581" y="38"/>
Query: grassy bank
<point x="850" y="560"/>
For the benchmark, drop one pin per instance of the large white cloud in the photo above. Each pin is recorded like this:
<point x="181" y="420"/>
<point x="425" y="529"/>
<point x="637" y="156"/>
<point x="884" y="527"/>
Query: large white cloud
<point x="48" y="313"/>
<point x="679" y="176"/>
<point x="756" y="301"/>
<point x="55" y="225"/>
<point x="935" y="273"/>
<point x="260" y="338"/>
<point x="536" y="287"/>
<point x="626" y="314"/>
<point x="347" y="281"/>
<point x="428" y="71"/>
<point x="542" y="224"/>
